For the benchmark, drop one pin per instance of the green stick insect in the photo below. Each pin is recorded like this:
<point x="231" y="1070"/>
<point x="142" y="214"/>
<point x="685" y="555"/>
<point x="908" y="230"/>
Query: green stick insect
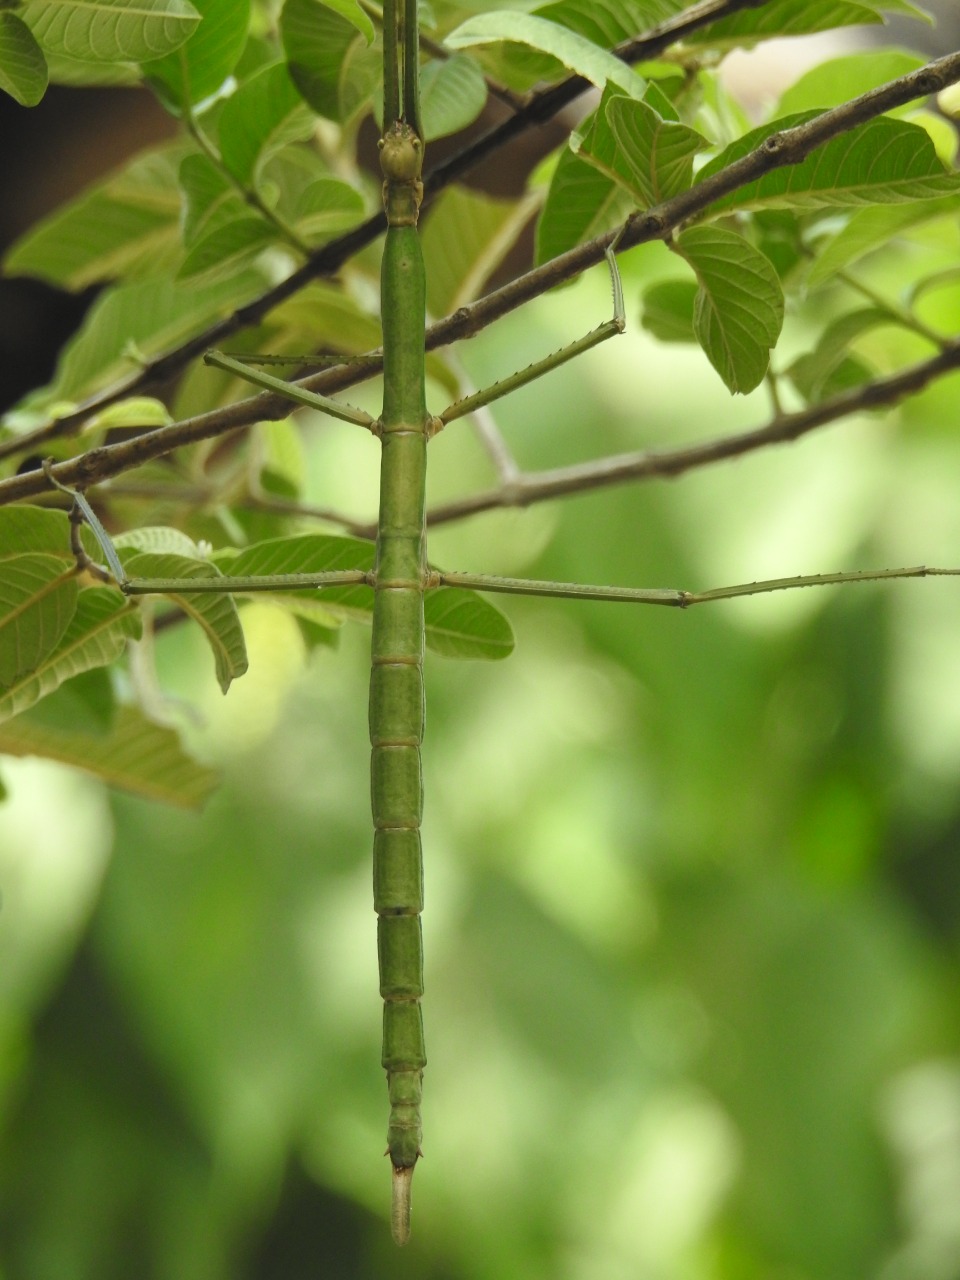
<point x="401" y="577"/>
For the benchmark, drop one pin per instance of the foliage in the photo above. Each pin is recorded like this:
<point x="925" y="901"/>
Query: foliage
<point x="688" y="870"/>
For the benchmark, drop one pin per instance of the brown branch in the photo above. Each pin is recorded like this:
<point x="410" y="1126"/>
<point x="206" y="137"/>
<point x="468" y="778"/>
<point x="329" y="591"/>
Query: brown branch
<point x="539" y="486"/>
<point x="789" y="146"/>
<point x="539" y="108"/>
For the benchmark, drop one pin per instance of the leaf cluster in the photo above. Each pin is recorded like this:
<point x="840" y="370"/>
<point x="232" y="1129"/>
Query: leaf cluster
<point x="266" y="183"/>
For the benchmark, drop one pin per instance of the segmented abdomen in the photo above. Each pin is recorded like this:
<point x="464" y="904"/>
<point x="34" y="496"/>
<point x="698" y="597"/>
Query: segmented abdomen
<point x="396" y="731"/>
<point x="396" y="690"/>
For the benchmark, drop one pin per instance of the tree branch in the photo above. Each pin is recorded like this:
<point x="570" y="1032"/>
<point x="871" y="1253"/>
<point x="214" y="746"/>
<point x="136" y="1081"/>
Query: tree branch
<point x="789" y="146"/>
<point x="539" y="486"/>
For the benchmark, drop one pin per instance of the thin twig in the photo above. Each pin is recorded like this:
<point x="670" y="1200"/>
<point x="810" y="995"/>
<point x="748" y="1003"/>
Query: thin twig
<point x="539" y="486"/>
<point x="676" y="598"/>
<point x="497" y="449"/>
<point x="290" y="507"/>
<point x="489" y="434"/>
<point x="898" y="315"/>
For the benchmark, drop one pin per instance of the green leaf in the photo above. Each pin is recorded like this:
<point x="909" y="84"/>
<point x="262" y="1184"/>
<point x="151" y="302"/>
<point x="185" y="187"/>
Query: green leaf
<point x="941" y="126"/>
<point x="317" y="635"/>
<point x="577" y="54"/>
<point x="79" y="74"/>
<point x="38" y="595"/>
<point x="322" y="317"/>
<point x="325" y="207"/>
<point x="355" y="15"/>
<point x="908" y="9"/>
<point x="668" y="310"/>
<point x="317" y="42"/>
<point x="905" y="7"/>
<point x="465" y="238"/>
<point x="462" y="624"/>
<point x="812" y="374"/>
<point x="361" y="88"/>
<point x="210" y="199"/>
<point x="298" y="184"/>
<point x="739" y="309"/>
<point x="607" y="22"/>
<point x="135" y="412"/>
<point x="581" y="203"/>
<point x="453" y="92"/>
<point x="86" y="701"/>
<point x="660" y="103"/>
<point x="136" y="755"/>
<point x="259" y="119"/>
<point x="282" y="460"/>
<point x="26" y="528"/>
<point x="881" y="162"/>
<point x="931" y="284"/>
<point x="111" y="30"/>
<point x="650" y="157"/>
<point x="199" y="69"/>
<point x="122" y="227"/>
<point x="783" y="18"/>
<point x="657" y="153"/>
<point x="219" y="255"/>
<point x="779" y="237"/>
<point x="848" y="372"/>
<point x="145" y="317"/>
<point x="96" y="634"/>
<point x="288" y="173"/>
<point x="838" y="80"/>
<point x="23" y="68"/>
<point x="161" y="539"/>
<point x="870" y="229"/>
<point x="216" y="614"/>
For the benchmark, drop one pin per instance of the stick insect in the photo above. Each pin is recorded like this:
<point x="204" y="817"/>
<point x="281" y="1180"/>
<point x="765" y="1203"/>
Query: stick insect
<point x="402" y="576"/>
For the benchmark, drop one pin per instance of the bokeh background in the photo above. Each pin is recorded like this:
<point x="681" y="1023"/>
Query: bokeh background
<point x="693" y="880"/>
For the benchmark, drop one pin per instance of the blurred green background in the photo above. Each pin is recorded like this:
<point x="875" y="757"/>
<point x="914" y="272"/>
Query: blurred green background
<point x="693" y="892"/>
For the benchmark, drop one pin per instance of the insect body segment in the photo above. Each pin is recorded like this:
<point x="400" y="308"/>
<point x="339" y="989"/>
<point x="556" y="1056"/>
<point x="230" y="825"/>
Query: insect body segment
<point x="396" y="679"/>
<point x="401" y="161"/>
